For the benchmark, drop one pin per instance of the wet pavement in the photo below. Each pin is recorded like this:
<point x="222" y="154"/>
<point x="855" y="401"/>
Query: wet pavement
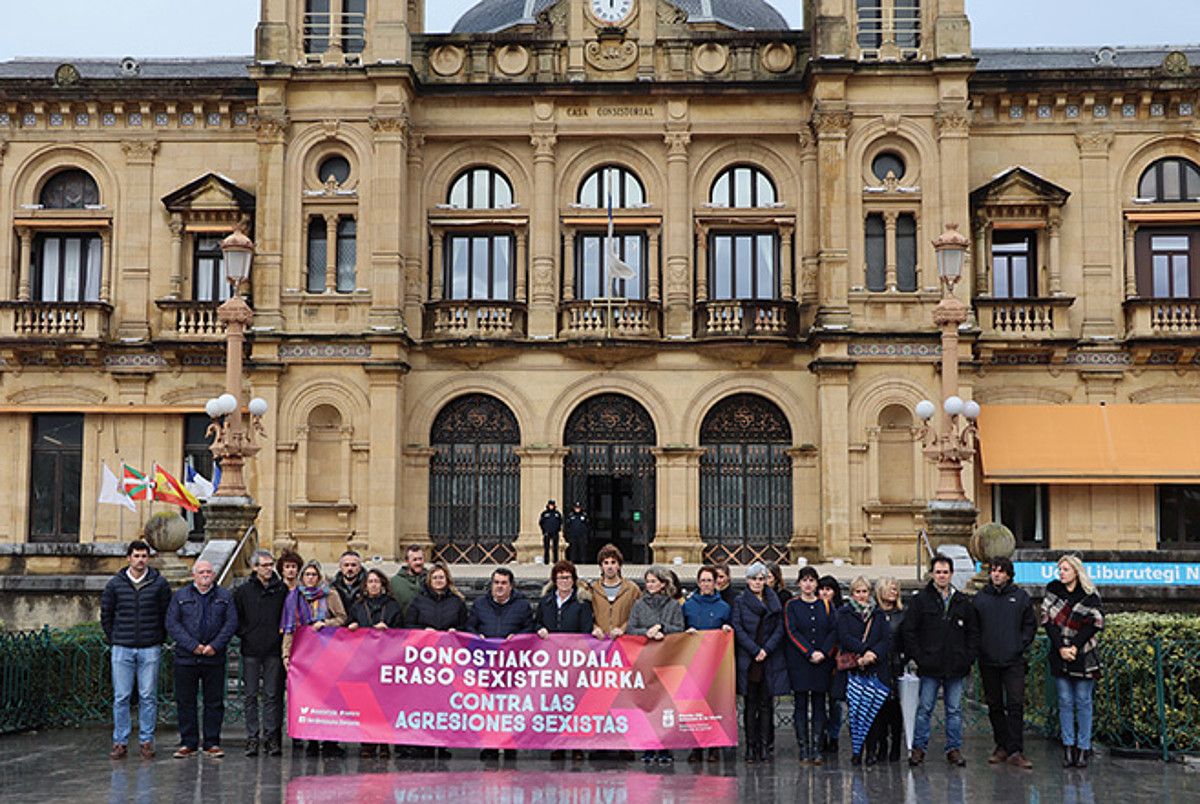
<point x="73" y="765"/>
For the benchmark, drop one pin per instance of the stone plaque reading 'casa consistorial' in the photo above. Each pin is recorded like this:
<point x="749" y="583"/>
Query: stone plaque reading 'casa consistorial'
<point x="613" y="112"/>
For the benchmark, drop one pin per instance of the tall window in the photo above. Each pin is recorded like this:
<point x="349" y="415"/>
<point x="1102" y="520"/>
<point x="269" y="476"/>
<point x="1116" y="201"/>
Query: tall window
<point x="1024" y="508"/>
<point x="870" y="24"/>
<point x="627" y="189"/>
<point x="590" y="265"/>
<point x="56" y="473"/>
<point x="1178" y="517"/>
<point x="1014" y="264"/>
<point x="66" y="267"/>
<point x="344" y="255"/>
<point x="196" y="454"/>
<point x="875" y="246"/>
<point x="743" y="186"/>
<point x="209" y="281"/>
<point x="347" y="253"/>
<point x="890" y="22"/>
<point x="354" y="25"/>
<point x="480" y="266"/>
<point x="316" y="26"/>
<point x="743" y="265"/>
<point x="318" y="250"/>
<point x="1168" y="262"/>
<point x="481" y="188"/>
<point x="907" y="21"/>
<point x="1170" y="180"/>
<point x="70" y="189"/>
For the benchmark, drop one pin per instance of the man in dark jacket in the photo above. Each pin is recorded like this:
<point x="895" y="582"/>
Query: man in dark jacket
<point x="133" y="607"/>
<point x="349" y="580"/>
<point x="202" y="618"/>
<point x="1007" y="626"/>
<point x="941" y="633"/>
<point x="550" y="523"/>
<point x="502" y="612"/>
<point x="259" y="606"/>
<point x="577" y="529"/>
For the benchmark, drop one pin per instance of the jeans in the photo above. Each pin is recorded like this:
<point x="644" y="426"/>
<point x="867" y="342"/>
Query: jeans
<point x="1004" y="689"/>
<point x="808" y="717"/>
<point x="190" y="679"/>
<point x="128" y="664"/>
<point x="953" y="691"/>
<point x="1075" y="708"/>
<point x="265" y="672"/>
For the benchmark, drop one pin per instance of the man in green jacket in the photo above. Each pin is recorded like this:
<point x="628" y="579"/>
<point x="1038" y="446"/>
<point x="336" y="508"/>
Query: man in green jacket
<point x="406" y="583"/>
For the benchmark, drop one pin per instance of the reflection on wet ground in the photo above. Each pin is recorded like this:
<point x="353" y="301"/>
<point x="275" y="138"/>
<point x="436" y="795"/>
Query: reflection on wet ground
<point x="73" y="765"/>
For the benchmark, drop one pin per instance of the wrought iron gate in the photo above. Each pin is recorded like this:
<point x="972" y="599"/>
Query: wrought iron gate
<point x="475" y="482"/>
<point x="745" y="481"/>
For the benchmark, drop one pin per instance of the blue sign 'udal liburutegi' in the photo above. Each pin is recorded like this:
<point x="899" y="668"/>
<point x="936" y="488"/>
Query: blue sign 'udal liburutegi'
<point x="1115" y="573"/>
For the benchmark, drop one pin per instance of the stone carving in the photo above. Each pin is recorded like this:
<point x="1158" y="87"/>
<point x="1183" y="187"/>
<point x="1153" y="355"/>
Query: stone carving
<point x="677" y="143"/>
<point x="611" y="55"/>
<point x="950" y="120"/>
<point x="270" y="126"/>
<point x="389" y="124"/>
<point x="66" y="75"/>
<point x="829" y="122"/>
<point x="512" y="60"/>
<point x="710" y="58"/>
<point x="166" y="531"/>
<point x="543" y="145"/>
<point x="1176" y="64"/>
<point x="778" y="57"/>
<point x="139" y="151"/>
<point x="447" y="60"/>
<point x="669" y="14"/>
<point x="1094" y="143"/>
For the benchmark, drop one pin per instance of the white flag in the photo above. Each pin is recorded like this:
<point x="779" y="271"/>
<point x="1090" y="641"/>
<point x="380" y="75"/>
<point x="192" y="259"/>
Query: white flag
<point x="111" y="492"/>
<point x="199" y="485"/>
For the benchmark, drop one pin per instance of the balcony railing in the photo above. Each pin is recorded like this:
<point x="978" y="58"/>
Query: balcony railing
<point x="56" y="320"/>
<point x="630" y="319"/>
<point x="190" y="320"/>
<point x="1163" y="318"/>
<point x="746" y="318"/>
<point x="485" y="320"/>
<point x="1033" y="319"/>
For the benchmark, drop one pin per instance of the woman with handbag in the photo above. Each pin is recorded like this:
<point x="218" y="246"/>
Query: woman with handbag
<point x="761" y="669"/>
<point x="862" y="640"/>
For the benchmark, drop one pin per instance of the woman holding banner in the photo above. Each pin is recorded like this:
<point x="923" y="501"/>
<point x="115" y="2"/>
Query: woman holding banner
<point x="761" y="668"/>
<point x="656" y="614"/>
<point x="706" y="611"/>
<point x="565" y="608"/>
<point x="312" y="603"/>
<point x="439" y="606"/>
<point x="375" y="608"/>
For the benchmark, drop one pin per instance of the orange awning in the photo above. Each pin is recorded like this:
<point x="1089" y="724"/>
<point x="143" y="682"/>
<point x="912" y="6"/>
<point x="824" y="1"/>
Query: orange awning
<point x="1090" y="443"/>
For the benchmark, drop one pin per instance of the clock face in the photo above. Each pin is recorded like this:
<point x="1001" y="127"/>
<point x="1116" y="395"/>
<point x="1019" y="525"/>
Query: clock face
<point x="611" y="10"/>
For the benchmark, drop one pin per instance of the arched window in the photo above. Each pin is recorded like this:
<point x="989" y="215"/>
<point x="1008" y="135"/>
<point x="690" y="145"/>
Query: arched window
<point x="323" y="470"/>
<point x="743" y="187"/>
<point x="481" y="188"/>
<point x="626" y="187"/>
<point x="475" y="481"/>
<point x="1170" y="180"/>
<point x="745" y="481"/>
<point x="70" y="189"/>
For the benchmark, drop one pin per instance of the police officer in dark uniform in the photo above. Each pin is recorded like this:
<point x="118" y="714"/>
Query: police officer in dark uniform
<point x="550" y="522"/>
<point x="578" y="529"/>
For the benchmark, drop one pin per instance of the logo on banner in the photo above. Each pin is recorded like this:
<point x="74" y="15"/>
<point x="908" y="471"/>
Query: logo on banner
<point x="668" y="718"/>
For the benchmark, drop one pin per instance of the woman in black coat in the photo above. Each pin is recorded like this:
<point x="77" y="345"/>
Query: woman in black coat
<point x="889" y="723"/>
<point x="565" y="608"/>
<point x="761" y="668"/>
<point x="439" y="606"/>
<point x="375" y="608"/>
<point x="861" y="631"/>
<point x="808" y="645"/>
<point x="830" y="591"/>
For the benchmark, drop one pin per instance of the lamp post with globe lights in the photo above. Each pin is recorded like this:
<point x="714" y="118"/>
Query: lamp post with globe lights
<point x="950" y="515"/>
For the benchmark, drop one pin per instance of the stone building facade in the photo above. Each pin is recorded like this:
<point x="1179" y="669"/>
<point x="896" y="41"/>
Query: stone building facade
<point x="433" y="330"/>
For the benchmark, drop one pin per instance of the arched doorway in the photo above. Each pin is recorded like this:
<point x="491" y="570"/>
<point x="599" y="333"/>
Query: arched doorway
<point x="475" y="482"/>
<point x="745" y="481"/>
<point x="609" y="468"/>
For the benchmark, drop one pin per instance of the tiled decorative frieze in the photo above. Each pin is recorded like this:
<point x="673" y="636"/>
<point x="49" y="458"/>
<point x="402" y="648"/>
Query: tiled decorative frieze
<point x="895" y="350"/>
<point x="1099" y="359"/>
<point x="137" y="360"/>
<point x="324" y="351"/>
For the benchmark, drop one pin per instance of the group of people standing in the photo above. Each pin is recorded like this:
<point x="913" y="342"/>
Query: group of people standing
<point x="839" y="661"/>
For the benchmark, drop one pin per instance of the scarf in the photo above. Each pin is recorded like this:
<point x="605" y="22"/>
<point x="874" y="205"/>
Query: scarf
<point x="298" y="608"/>
<point x="862" y="611"/>
<point x="1070" y="619"/>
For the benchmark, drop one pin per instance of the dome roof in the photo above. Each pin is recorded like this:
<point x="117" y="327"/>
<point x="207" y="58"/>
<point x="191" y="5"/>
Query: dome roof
<point x="496" y="15"/>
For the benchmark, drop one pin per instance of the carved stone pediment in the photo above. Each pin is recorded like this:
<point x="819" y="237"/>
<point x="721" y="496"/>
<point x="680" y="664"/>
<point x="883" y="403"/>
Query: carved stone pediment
<point x="1018" y="186"/>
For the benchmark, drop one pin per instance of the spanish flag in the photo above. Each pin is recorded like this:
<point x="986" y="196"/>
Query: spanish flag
<point x="169" y="490"/>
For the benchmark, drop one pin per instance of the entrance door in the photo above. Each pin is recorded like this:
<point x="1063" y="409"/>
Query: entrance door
<point x="610" y="469"/>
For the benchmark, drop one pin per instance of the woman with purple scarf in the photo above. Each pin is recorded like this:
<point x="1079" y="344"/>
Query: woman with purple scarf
<point x="312" y="603"/>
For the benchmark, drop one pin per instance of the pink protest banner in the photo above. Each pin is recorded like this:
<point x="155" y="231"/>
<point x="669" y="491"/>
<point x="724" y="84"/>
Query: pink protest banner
<point x="458" y="690"/>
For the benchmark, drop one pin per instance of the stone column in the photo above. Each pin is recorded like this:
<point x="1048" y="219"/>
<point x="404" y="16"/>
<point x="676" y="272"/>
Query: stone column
<point x="953" y="123"/>
<point x="677" y="505"/>
<point x="386" y="431"/>
<point x="807" y="238"/>
<point x="832" y="125"/>
<point x="677" y="225"/>
<point x="1054" y="268"/>
<point x="522" y="265"/>
<point x="331" y="233"/>
<point x="701" y="266"/>
<point x="568" y="273"/>
<point x="107" y="268"/>
<point x="1131" y="288"/>
<point x="133" y="228"/>
<point x="271" y="124"/>
<point x="543" y="238"/>
<point x="541" y="480"/>
<point x="385" y="214"/>
<point x="177" y="271"/>
<point x="889" y="249"/>
<point x="806" y="503"/>
<point x="833" y="405"/>
<point x="1099" y="290"/>
<point x="415" y="487"/>
<point x="438" y="269"/>
<point x="25" y="267"/>
<point x="786" y="285"/>
<point x="416" y="271"/>
<point x="981" y="253"/>
<point x="652" y="288"/>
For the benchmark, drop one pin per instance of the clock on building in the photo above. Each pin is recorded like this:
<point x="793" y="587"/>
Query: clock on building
<point x="612" y="11"/>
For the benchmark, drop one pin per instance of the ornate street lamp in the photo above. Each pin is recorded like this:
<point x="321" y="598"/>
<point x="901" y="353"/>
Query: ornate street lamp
<point x="950" y="514"/>
<point x="233" y="443"/>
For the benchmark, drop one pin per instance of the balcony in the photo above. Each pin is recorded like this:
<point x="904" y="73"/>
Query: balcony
<point x="745" y="318"/>
<point x="187" y="320"/>
<point x="631" y="320"/>
<point x="1162" y="318"/>
<point x="57" y="321"/>
<point x="474" y="320"/>
<point x="1033" y="319"/>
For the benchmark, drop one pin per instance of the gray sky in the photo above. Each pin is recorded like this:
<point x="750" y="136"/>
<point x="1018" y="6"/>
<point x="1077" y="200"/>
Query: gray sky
<point x="81" y="28"/>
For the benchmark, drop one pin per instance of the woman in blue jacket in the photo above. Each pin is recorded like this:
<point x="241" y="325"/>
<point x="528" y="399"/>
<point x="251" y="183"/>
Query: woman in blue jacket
<point x="761" y="669"/>
<point x="862" y="631"/>
<point x="809" y="634"/>
<point x="706" y="611"/>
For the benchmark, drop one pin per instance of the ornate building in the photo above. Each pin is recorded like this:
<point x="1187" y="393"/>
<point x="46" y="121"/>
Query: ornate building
<point x="439" y="344"/>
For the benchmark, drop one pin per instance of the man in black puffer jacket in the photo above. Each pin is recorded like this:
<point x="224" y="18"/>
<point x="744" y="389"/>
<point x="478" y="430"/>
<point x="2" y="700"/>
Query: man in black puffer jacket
<point x="133" y="610"/>
<point x="259" y="605"/>
<point x="502" y="612"/>
<point x="1007" y="627"/>
<point x="941" y="632"/>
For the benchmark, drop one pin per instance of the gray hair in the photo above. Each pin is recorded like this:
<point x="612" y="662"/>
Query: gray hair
<point x="664" y="576"/>
<point x="757" y="570"/>
<point x="259" y="555"/>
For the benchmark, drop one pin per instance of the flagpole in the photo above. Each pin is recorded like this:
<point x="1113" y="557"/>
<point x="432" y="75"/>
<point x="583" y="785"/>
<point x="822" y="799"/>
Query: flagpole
<point x="608" y="288"/>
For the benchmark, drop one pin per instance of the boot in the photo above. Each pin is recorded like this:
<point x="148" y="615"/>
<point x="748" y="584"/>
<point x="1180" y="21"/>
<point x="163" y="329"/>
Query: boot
<point x="1068" y="756"/>
<point x="252" y="747"/>
<point x="803" y="739"/>
<point x="1082" y="756"/>
<point x="814" y="751"/>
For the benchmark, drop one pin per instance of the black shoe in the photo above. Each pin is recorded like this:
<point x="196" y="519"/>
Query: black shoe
<point x="1082" y="757"/>
<point x="856" y="759"/>
<point x="1068" y="756"/>
<point x="894" y="756"/>
<point x="489" y="754"/>
<point x="696" y="755"/>
<point x="252" y="747"/>
<point x="871" y="758"/>
<point x="648" y="757"/>
<point x="331" y="749"/>
<point x="313" y="749"/>
<point x="831" y="747"/>
<point x="272" y="747"/>
<point x="577" y="755"/>
<point x="558" y="756"/>
<point x="510" y="754"/>
<point x="443" y="753"/>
